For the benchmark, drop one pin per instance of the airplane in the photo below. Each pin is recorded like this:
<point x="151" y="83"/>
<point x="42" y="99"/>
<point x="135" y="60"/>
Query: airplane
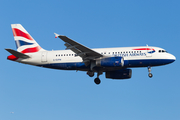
<point x="115" y="62"/>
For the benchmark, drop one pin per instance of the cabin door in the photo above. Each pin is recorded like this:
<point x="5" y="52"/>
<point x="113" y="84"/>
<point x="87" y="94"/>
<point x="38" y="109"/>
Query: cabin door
<point x="149" y="51"/>
<point x="44" y="57"/>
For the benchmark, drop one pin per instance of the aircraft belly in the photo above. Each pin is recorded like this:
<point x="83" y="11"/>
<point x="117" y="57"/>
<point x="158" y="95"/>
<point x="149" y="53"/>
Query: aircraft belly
<point x="66" y="66"/>
<point x="127" y="64"/>
<point x="148" y="62"/>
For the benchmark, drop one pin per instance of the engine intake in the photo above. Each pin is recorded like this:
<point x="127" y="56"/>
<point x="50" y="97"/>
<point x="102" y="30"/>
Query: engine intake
<point x="119" y="74"/>
<point x="110" y="62"/>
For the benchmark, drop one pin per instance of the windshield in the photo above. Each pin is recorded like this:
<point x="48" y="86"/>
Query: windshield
<point x="162" y="51"/>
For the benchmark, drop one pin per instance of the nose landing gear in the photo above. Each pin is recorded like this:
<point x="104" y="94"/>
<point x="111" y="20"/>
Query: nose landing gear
<point x="150" y="75"/>
<point x="149" y="70"/>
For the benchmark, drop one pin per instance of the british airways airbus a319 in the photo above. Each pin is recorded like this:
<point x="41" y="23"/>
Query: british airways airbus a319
<point x="115" y="62"/>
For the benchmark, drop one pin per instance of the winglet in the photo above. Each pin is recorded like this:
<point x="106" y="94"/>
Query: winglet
<point x="56" y="35"/>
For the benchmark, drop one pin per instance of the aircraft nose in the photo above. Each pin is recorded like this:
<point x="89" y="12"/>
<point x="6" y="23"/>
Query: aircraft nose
<point x="172" y="58"/>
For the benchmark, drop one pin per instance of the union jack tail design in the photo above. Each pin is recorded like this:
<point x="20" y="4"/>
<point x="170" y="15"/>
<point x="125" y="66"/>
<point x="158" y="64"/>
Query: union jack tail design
<point x="24" y="42"/>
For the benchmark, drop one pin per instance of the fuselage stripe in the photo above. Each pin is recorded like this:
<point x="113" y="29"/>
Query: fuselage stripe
<point x="144" y="49"/>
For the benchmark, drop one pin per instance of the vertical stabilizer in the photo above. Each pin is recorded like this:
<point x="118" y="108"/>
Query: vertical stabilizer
<point x="24" y="42"/>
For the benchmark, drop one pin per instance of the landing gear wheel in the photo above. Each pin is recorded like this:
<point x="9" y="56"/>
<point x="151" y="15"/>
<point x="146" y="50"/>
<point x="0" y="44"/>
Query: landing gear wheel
<point x="90" y="73"/>
<point x="97" y="81"/>
<point x="150" y="75"/>
<point x="149" y="70"/>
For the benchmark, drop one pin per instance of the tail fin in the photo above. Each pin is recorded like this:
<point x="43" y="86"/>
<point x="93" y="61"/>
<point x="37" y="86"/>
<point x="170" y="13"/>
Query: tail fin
<point x="24" y="42"/>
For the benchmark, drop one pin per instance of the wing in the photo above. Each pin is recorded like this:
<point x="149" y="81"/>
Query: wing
<point x="84" y="52"/>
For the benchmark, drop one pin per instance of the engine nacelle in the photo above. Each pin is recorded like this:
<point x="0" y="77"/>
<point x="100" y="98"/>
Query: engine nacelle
<point x="119" y="74"/>
<point x="110" y="62"/>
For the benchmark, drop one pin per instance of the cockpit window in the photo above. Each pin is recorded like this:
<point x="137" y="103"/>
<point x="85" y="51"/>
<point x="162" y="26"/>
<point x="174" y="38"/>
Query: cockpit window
<point x="162" y="51"/>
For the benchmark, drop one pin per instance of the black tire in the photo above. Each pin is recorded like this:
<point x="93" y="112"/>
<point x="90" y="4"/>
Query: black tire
<point x="150" y="75"/>
<point x="97" y="81"/>
<point x="91" y="75"/>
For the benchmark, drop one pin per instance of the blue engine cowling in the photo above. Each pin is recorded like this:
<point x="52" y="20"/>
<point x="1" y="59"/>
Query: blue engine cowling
<point x="119" y="74"/>
<point x="110" y="62"/>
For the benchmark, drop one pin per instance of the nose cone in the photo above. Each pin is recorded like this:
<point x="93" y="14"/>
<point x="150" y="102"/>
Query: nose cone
<point x="171" y="58"/>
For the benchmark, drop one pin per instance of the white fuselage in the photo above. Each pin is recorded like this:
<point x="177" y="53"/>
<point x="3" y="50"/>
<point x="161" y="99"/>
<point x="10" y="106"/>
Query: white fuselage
<point x="136" y="57"/>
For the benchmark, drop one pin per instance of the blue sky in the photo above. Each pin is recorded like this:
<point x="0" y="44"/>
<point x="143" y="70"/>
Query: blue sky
<point x="42" y="94"/>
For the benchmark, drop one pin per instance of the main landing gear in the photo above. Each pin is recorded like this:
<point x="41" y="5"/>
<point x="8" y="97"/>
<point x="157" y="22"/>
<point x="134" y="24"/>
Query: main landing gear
<point x="149" y="70"/>
<point x="97" y="80"/>
<point x="90" y="73"/>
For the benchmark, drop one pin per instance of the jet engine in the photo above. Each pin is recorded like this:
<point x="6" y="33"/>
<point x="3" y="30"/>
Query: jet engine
<point x="119" y="74"/>
<point x="110" y="62"/>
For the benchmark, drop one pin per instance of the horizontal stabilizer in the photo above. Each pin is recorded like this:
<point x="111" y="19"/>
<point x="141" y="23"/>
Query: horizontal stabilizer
<point x="17" y="54"/>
